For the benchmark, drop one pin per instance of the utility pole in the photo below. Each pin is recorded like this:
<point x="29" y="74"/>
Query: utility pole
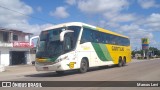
<point x="145" y="47"/>
<point x="144" y="54"/>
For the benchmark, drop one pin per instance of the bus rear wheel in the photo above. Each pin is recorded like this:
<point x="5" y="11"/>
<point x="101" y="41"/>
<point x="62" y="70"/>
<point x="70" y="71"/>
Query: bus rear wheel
<point x="124" y="61"/>
<point x="120" y="63"/>
<point x="83" y="66"/>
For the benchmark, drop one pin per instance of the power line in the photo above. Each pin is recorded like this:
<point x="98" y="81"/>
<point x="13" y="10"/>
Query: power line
<point x="25" y="14"/>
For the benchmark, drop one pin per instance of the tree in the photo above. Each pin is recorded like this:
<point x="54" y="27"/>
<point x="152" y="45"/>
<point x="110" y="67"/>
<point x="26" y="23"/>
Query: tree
<point x="137" y="52"/>
<point x="154" y="50"/>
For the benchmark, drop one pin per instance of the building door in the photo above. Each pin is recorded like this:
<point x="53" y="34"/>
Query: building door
<point x="17" y="57"/>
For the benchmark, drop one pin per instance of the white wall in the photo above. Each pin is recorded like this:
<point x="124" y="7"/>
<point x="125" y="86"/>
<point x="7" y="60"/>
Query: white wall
<point x="29" y="60"/>
<point x="5" y="56"/>
<point x="26" y="38"/>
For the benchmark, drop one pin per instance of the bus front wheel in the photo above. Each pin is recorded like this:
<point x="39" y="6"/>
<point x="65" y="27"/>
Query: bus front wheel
<point x="83" y="66"/>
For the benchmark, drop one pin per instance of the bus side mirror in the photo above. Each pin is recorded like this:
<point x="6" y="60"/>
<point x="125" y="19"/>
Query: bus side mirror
<point x="63" y="33"/>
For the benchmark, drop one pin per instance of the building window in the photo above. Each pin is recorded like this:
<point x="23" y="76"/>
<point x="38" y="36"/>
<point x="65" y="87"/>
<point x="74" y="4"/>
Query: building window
<point x="5" y="36"/>
<point x="15" y="37"/>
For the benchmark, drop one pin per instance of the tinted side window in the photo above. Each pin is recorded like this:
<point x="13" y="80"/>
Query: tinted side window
<point x="103" y="38"/>
<point x="126" y="42"/>
<point x="97" y="37"/>
<point x="75" y="34"/>
<point x="123" y="41"/>
<point x="87" y="35"/>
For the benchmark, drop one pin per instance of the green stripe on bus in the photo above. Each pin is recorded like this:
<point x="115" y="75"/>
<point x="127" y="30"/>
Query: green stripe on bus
<point x="99" y="51"/>
<point x="105" y="52"/>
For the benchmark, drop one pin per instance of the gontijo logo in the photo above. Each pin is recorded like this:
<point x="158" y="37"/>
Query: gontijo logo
<point x="71" y="65"/>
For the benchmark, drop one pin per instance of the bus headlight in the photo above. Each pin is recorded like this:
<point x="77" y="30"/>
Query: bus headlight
<point x="61" y="59"/>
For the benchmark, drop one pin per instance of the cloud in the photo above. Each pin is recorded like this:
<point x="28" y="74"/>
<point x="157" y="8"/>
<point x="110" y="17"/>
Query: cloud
<point x="9" y="16"/>
<point x="114" y="21"/>
<point x="109" y="10"/>
<point x="153" y="21"/>
<point x="154" y="17"/>
<point x="100" y="6"/>
<point x="107" y="25"/>
<point x="124" y="18"/>
<point x="145" y="28"/>
<point x="38" y="28"/>
<point x="60" y="12"/>
<point x="114" y="18"/>
<point x="142" y="27"/>
<point x="15" y="15"/>
<point x="71" y="2"/>
<point x="146" y="4"/>
<point x="136" y="32"/>
<point x="39" y="9"/>
<point x="26" y="27"/>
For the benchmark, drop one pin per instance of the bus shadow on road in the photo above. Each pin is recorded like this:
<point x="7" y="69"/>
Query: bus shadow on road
<point x="52" y="74"/>
<point x="70" y="72"/>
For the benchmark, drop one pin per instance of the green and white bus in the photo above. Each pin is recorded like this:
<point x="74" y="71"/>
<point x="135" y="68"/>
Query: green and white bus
<point x="77" y="45"/>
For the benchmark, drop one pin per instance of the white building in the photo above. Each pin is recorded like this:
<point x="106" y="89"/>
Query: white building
<point x="14" y="47"/>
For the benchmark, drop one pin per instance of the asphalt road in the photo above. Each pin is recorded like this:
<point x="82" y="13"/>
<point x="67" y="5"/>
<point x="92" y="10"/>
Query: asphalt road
<point x="145" y="70"/>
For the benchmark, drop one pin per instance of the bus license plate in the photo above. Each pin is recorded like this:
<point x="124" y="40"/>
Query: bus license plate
<point x="45" y="68"/>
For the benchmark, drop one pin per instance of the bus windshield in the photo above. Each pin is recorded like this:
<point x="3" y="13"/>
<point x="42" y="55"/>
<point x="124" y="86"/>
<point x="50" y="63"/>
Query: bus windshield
<point x="50" y="45"/>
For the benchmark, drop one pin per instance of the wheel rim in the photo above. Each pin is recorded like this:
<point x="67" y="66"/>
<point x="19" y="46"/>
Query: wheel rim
<point x="120" y="63"/>
<point x="124" y="62"/>
<point x="84" y="66"/>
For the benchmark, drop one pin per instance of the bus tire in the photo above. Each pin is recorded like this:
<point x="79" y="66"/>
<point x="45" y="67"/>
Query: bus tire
<point x="60" y="72"/>
<point x="83" y="66"/>
<point x="120" y="62"/>
<point x="124" y="61"/>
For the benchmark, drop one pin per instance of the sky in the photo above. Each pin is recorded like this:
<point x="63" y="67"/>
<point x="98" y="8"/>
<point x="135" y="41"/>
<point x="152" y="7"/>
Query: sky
<point x="134" y="18"/>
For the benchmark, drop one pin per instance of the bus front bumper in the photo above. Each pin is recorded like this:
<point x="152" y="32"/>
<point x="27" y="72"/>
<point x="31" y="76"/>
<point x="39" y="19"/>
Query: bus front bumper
<point x="60" y="66"/>
<point x="51" y="67"/>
